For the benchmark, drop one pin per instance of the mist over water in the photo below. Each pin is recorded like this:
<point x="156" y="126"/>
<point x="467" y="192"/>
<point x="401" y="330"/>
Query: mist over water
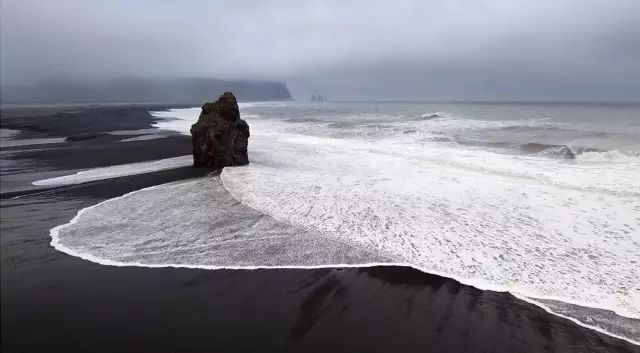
<point x="542" y="201"/>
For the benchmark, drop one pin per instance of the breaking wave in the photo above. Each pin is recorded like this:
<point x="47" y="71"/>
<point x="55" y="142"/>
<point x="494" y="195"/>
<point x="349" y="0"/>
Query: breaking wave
<point x="561" y="151"/>
<point x="607" y="156"/>
<point x="580" y="153"/>
<point x="436" y="115"/>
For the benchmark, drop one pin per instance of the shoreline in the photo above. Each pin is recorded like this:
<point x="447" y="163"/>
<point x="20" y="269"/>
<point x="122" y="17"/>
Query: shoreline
<point x="531" y="300"/>
<point x="32" y="268"/>
<point x="394" y="273"/>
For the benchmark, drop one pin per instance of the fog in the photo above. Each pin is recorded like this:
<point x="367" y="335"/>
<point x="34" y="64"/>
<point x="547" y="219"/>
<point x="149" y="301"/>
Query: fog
<point x="438" y="50"/>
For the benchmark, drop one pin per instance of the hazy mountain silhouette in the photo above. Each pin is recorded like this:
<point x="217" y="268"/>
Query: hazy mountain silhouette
<point x="179" y="90"/>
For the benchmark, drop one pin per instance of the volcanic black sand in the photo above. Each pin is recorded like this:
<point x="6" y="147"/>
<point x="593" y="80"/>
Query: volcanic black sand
<point x="53" y="302"/>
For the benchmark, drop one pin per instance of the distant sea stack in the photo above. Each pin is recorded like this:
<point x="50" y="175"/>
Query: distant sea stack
<point x="161" y="90"/>
<point x="219" y="137"/>
<point x="319" y="98"/>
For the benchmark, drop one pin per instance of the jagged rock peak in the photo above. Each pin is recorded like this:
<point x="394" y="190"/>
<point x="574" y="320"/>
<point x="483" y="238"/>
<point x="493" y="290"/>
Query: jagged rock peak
<point x="220" y="137"/>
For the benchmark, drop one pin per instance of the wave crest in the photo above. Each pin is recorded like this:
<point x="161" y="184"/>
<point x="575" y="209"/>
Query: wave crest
<point x="608" y="156"/>
<point x="553" y="151"/>
<point x="436" y="115"/>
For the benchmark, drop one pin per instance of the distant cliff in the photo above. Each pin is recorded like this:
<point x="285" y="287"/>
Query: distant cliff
<point x="180" y="91"/>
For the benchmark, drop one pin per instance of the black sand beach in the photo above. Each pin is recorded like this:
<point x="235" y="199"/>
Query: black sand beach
<point x="53" y="302"/>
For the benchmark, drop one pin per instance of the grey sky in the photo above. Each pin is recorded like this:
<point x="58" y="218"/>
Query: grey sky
<point x="464" y="49"/>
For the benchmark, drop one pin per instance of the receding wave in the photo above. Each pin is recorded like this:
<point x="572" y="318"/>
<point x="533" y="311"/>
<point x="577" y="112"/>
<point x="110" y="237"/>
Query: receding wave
<point x="196" y="223"/>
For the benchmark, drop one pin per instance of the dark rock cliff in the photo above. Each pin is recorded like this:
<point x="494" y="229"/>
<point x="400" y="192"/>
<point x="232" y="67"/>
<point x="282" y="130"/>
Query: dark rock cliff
<point x="220" y="138"/>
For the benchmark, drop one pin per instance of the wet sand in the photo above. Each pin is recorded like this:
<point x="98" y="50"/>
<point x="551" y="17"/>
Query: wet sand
<point x="53" y="302"/>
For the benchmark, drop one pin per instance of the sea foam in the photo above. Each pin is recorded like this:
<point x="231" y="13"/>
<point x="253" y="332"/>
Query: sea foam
<point x="117" y="171"/>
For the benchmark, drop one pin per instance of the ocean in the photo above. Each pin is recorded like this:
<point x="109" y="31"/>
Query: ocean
<point x="538" y="200"/>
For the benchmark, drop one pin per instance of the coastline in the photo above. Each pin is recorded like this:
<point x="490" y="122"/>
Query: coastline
<point x="537" y="301"/>
<point x="310" y="309"/>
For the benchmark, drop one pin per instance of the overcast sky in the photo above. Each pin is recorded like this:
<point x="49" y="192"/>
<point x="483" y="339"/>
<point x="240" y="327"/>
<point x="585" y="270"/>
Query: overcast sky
<point x="400" y="49"/>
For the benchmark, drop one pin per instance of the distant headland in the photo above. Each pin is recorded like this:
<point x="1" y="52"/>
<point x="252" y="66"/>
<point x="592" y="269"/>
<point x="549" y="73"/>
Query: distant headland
<point x="164" y="90"/>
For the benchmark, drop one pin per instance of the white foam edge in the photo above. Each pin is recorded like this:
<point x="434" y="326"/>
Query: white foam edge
<point x="116" y="171"/>
<point x="55" y="243"/>
<point x="144" y="138"/>
<point x="11" y="142"/>
<point x="546" y="308"/>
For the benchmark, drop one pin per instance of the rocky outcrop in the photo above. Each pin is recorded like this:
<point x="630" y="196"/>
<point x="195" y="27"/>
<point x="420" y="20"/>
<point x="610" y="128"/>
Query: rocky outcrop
<point x="220" y="138"/>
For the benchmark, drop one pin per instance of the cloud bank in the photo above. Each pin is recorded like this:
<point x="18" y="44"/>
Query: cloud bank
<point x="464" y="49"/>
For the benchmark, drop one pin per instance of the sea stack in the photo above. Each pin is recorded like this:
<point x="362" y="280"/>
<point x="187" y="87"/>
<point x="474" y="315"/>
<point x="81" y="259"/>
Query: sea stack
<point x="219" y="137"/>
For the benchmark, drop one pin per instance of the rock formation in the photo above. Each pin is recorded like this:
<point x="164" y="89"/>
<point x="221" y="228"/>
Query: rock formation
<point x="220" y="137"/>
<point x="318" y="98"/>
